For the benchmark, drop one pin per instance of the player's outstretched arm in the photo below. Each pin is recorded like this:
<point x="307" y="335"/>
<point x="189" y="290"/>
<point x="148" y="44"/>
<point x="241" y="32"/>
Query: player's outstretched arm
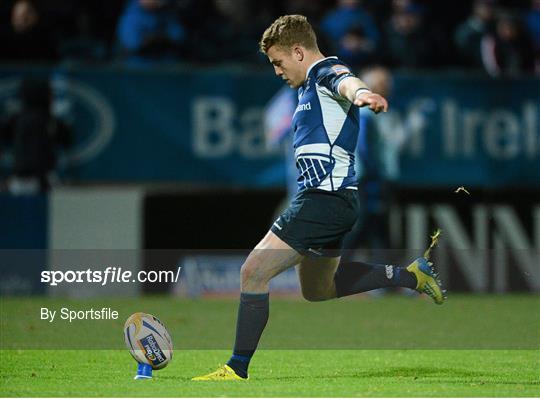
<point x="359" y="94"/>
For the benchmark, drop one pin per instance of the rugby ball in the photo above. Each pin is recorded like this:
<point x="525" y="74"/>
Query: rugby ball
<point x="148" y="340"/>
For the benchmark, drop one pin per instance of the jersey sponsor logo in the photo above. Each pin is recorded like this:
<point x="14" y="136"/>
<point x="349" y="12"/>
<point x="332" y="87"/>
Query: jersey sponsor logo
<point x="340" y="69"/>
<point x="303" y="107"/>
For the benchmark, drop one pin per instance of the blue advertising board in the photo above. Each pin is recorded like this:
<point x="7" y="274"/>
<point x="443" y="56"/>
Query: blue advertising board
<point x="195" y="125"/>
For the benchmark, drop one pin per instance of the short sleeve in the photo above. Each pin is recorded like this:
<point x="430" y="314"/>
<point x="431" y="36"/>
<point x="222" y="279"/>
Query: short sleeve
<point x="331" y="76"/>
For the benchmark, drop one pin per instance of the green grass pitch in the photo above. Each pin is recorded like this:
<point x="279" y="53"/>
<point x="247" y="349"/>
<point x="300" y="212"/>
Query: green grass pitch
<point x="387" y="347"/>
<point x="281" y="373"/>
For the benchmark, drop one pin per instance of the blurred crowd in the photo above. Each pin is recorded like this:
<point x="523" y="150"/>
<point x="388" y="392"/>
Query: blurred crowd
<point x="499" y="37"/>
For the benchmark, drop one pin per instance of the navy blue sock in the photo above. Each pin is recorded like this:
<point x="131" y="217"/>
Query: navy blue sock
<point x="355" y="277"/>
<point x="252" y="317"/>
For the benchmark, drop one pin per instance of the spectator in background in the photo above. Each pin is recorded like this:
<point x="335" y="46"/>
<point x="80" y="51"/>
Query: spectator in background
<point x="354" y="30"/>
<point x="313" y="10"/>
<point x="468" y="36"/>
<point x="356" y="48"/>
<point x="229" y="32"/>
<point x="34" y="136"/>
<point x="533" y="25"/>
<point x="51" y="30"/>
<point x="30" y="34"/>
<point x="509" y="50"/>
<point x="399" y="6"/>
<point x="149" y="32"/>
<point x="85" y="29"/>
<point x="348" y="14"/>
<point x="408" y="43"/>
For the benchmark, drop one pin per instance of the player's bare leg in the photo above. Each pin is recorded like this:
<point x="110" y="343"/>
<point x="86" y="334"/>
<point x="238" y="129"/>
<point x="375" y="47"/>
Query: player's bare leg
<point x="269" y="258"/>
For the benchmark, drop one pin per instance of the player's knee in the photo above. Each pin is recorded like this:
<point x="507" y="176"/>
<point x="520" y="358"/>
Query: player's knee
<point x="250" y="272"/>
<point x="245" y="273"/>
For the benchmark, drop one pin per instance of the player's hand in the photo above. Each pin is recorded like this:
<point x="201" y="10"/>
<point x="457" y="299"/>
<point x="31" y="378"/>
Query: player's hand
<point x="374" y="101"/>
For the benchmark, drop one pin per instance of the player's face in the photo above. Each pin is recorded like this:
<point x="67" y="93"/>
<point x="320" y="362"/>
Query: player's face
<point x="286" y="66"/>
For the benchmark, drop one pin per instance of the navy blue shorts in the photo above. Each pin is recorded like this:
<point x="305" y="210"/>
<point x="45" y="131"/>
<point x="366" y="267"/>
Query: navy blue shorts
<point x="316" y="221"/>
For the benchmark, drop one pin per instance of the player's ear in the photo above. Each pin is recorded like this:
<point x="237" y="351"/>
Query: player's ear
<point x="298" y="53"/>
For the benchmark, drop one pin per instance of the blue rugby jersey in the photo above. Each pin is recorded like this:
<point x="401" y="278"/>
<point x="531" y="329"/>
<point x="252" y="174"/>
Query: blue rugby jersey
<point x="325" y="127"/>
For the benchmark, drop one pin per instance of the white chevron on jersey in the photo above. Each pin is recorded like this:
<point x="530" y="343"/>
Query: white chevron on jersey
<point x="334" y="112"/>
<point x="325" y="128"/>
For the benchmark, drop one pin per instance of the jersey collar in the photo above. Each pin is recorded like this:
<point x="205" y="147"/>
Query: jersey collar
<point x="316" y="62"/>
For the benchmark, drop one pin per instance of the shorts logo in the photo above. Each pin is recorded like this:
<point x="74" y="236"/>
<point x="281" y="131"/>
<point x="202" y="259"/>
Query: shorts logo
<point x="315" y="251"/>
<point x="152" y="350"/>
<point x="389" y="272"/>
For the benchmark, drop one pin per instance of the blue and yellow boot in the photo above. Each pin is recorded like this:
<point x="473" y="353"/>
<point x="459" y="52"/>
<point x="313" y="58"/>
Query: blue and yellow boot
<point x="427" y="280"/>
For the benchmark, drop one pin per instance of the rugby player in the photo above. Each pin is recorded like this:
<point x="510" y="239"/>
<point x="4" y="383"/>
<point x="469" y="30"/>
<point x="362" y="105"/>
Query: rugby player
<point x="309" y="233"/>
